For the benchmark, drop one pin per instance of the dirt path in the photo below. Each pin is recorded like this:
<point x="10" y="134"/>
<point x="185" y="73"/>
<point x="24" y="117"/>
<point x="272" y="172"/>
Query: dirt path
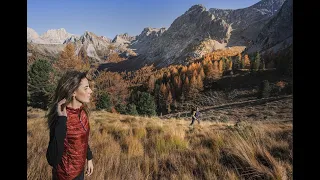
<point x="273" y="108"/>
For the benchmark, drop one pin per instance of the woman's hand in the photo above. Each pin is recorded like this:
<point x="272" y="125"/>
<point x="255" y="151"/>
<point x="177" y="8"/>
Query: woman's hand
<point x="61" y="112"/>
<point x="89" y="167"/>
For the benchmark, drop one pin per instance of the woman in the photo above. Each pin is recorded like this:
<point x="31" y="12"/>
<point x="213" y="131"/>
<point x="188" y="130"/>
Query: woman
<point x="68" y="150"/>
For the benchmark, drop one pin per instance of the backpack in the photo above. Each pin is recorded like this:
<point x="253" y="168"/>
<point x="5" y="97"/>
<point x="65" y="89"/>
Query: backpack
<point x="197" y="114"/>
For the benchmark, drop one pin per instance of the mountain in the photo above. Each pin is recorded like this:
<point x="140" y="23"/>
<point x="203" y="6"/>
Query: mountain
<point x="244" y="17"/>
<point x="31" y="34"/>
<point x="123" y="39"/>
<point x="182" y="40"/>
<point x="198" y="32"/>
<point x="277" y="33"/>
<point x="248" y="22"/>
<point x="53" y="42"/>
<point x="56" y="36"/>
<point x="52" y="36"/>
<point x="33" y="37"/>
<point x="195" y="33"/>
<point x="94" y="45"/>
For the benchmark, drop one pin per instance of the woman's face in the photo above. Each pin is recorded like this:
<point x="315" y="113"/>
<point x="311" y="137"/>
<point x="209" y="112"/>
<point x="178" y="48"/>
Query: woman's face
<point x="83" y="92"/>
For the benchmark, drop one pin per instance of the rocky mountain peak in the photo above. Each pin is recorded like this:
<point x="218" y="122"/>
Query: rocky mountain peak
<point x="106" y="39"/>
<point x="277" y="33"/>
<point x="149" y="30"/>
<point x="271" y="6"/>
<point x="148" y="34"/>
<point x="88" y="34"/>
<point x="92" y="38"/>
<point x="181" y="39"/>
<point x="33" y="37"/>
<point x="196" y="8"/>
<point x="56" y="31"/>
<point x="244" y="17"/>
<point x="72" y="39"/>
<point x="56" y="36"/>
<point x="31" y="34"/>
<point x="123" y="38"/>
<point x="94" y="45"/>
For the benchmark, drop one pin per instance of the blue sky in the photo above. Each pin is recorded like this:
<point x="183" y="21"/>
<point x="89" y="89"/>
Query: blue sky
<point x="111" y="17"/>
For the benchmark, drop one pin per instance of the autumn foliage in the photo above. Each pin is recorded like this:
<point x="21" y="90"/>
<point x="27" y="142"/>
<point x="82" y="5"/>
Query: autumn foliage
<point x="114" y="57"/>
<point x="114" y="85"/>
<point x="228" y="52"/>
<point x="69" y="60"/>
<point x="167" y="86"/>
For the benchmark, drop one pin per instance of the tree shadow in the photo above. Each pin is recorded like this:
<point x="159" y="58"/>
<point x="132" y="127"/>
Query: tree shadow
<point x="245" y="80"/>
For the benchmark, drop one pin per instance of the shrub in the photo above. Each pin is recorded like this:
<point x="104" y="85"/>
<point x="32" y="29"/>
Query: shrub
<point x="121" y="108"/>
<point x="146" y="105"/>
<point x="104" y="102"/>
<point x="132" y="109"/>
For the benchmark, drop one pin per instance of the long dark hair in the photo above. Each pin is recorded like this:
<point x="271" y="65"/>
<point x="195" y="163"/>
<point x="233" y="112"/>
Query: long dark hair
<point x="67" y="85"/>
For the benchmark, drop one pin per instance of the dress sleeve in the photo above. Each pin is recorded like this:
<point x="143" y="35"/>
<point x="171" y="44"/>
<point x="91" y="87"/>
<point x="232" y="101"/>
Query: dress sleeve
<point x="56" y="143"/>
<point x="89" y="153"/>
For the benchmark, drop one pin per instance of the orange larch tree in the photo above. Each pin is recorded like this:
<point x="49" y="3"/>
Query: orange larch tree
<point x="169" y="101"/>
<point x="84" y="59"/>
<point x="151" y="84"/>
<point x="246" y="61"/>
<point x="193" y="88"/>
<point x="68" y="60"/>
<point x="199" y="83"/>
<point x="221" y="63"/>
<point x="202" y="75"/>
<point x="112" y="83"/>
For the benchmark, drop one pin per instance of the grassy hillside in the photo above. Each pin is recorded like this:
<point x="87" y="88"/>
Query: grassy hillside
<point x="128" y="147"/>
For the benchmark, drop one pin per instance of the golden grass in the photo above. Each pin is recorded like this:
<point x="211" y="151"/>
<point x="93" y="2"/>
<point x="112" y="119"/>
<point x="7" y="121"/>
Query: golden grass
<point x="128" y="147"/>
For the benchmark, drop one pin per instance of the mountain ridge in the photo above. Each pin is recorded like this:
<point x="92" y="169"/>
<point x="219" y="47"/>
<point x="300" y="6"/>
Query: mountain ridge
<point x="193" y="34"/>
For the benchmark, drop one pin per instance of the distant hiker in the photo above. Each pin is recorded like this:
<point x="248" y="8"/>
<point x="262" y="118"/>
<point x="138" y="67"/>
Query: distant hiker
<point x="195" y="114"/>
<point x="68" y="150"/>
